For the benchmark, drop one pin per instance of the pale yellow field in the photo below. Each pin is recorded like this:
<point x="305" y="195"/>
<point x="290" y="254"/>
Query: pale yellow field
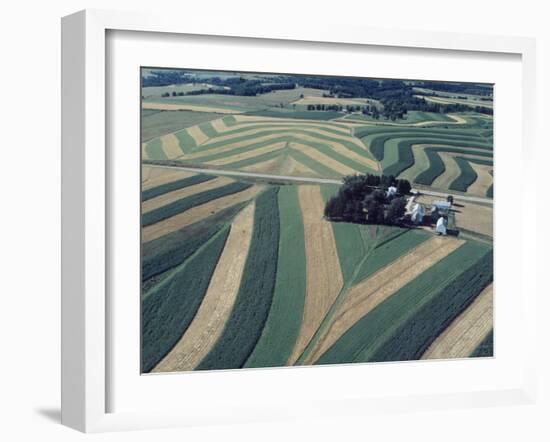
<point x="323" y="275"/>
<point x="191" y="107"/>
<point x="196" y="213"/>
<point x="467" y="331"/>
<point x="208" y="324"/>
<point x="171" y="146"/>
<point x="152" y="176"/>
<point x="170" y="197"/>
<point x="368" y="294"/>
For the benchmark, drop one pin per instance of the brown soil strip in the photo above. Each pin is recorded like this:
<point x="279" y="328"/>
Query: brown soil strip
<point x="170" y="197"/>
<point x="191" y="107"/>
<point x="452" y="172"/>
<point x="323" y="274"/>
<point x="208" y="323"/>
<point x="467" y="331"/>
<point x="156" y="176"/>
<point x="171" y="146"/>
<point x="365" y="296"/>
<point x="483" y="181"/>
<point x="197" y="213"/>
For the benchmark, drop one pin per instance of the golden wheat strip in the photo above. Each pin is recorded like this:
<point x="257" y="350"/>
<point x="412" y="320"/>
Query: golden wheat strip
<point x="191" y="107"/>
<point x="483" y="181"/>
<point x="196" y="213"/>
<point x="250" y="154"/>
<point x="208" y="324"/>
<point x="156" y="176"/>
<point x="467" y="331"/>
<point x="365" y="296"/>
<point x="171" y="146"/>
<point x="170" y="197"/>
<point x="197" y="134"/>
<point x="323" y="274"/>
<point x="320" y="157"/>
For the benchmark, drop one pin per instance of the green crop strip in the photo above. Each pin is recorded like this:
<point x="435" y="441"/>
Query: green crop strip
<point x="246" y="321"/>
<point x="485" y="348"/>
<point x="154" y="150"/>
<point x="174" y="185"/>
<point x="388" y="251"/>
<point x="467" y="176"/>
<point x="170" y="307"/>
<point x="186" y="141"/>
<point x="168" y="251"/>
<point x="169" y="210"/>
<point x="404" y="325"/>
<point x="285" y="316"/>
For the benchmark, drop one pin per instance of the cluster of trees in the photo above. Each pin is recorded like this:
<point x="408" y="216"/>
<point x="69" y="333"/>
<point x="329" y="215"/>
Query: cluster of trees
<point x="459" y="88"/>
<point x="364" y="199"/>
<point x="164" y="78"/>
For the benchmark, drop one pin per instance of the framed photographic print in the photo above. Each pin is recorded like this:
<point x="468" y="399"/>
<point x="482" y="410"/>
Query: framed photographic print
<point x="250" y="215"/>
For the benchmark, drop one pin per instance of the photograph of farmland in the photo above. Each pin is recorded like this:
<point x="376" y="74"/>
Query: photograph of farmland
<point x="298" y="220"/>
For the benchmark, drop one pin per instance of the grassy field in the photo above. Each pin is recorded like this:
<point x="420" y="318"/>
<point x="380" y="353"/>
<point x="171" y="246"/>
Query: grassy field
<point x="156" y="123"/>
<point x="246" y="272"/>
<point x="263" y="325"/>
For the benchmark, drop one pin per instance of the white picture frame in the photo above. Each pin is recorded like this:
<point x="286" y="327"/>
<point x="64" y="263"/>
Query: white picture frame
<point x="86" y="210"/>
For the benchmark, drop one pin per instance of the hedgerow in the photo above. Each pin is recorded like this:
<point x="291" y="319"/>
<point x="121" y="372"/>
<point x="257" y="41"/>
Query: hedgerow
<point x="154" y="216"/>
<point x="170" y="307"/>
<point x="174" y="185"/>
<point x="246" y="321"/>
<point x="467" y="175"/>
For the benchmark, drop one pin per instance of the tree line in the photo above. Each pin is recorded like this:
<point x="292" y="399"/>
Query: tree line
<point x="365" y="199"/>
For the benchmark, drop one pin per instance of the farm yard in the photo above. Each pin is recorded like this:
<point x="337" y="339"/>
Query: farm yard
<point x="241" y="268"/>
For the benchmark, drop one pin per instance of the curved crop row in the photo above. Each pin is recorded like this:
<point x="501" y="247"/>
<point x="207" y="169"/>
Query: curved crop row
<point x="154" y="216"/>
<point x="467" y="176"/>
<point x="170" y="307"/>
<point x="244" y="326"/>
<point x="377" y="144"/>
<point x="174" y="185"/>
<point x="421" y="309"/>
<point x="168" y="251"/>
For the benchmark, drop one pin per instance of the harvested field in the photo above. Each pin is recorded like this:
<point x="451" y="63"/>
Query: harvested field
<point x="467" y="331"/>
<point x="195" y="214"/>
<point x="188" y="107"/>
<point x="250" y="154"/>
<point x="452" y="172"/>
<point x="323" y="276"/>
<point x="484" y="179"/>
<point x="171" y="146"/>
<point x="336" y="166"/>
<point x="196" y="133"/>
<point x="156" y="176"/>
<point x="170" y="197"/>
<point x="208" y="323"/>
<point x="366" y="295"/>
